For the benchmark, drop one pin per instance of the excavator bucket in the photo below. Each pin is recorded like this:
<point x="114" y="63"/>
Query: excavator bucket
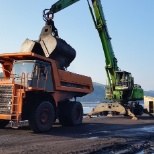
<point x="56" y="48"/>
<point x="49" y="46"/>
<point x="32" y="46"/>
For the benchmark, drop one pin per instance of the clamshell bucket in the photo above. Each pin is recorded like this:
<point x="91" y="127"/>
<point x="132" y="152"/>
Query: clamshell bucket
<point x="49" y="46"/>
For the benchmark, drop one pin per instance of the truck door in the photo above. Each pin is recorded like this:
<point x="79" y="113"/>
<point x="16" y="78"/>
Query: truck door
<point x="42" y="77"/>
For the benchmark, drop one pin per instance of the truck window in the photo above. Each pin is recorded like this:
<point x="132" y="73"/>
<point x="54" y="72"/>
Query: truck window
<point x="35" y="71"/>
<point x="22" y="68"/>
<point x="42" y="71"/>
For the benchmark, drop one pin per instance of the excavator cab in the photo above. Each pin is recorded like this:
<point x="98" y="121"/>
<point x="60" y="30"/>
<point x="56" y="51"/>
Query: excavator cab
<point x="122" y="89"/>
<point x="124" y="80"/>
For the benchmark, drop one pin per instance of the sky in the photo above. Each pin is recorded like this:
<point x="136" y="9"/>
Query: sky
<point x="130" y="24"/>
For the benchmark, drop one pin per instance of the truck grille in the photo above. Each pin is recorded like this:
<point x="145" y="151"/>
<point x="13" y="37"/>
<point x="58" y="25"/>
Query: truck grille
<point x="5" y="99"/>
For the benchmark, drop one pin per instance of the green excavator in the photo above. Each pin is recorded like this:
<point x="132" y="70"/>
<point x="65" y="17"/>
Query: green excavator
<point x="125" y="95"/>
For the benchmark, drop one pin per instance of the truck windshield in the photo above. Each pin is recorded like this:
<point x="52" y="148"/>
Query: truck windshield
<point x="22" y="67"/>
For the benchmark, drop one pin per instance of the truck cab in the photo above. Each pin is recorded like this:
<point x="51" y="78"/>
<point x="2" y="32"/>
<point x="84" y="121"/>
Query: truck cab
<point x="34" y="74"/>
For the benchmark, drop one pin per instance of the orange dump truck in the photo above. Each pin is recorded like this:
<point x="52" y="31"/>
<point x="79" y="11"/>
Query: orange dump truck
<point x="37" y="87"/>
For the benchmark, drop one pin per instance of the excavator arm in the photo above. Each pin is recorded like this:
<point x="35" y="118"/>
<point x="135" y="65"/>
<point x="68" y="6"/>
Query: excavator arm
<point x="62" y="4"/>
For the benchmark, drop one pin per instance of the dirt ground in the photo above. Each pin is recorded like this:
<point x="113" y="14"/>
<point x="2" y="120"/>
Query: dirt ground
<point x="107" y="135"/>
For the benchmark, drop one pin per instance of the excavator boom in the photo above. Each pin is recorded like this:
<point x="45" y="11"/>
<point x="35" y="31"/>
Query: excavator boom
<point x="62" y="4"/>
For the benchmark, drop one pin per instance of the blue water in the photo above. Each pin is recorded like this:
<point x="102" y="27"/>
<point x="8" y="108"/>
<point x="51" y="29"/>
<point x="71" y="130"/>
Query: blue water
<point x="87" y="107"/>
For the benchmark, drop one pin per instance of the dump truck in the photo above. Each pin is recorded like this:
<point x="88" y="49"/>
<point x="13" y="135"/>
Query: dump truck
<point x="37" y="87"/>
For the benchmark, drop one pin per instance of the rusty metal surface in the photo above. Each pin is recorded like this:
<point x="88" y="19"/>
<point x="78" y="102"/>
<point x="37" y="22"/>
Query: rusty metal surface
<point x="10" y="57"/>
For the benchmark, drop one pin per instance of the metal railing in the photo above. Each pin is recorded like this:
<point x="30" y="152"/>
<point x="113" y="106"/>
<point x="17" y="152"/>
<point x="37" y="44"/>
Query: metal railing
<point x="17" y="93"/>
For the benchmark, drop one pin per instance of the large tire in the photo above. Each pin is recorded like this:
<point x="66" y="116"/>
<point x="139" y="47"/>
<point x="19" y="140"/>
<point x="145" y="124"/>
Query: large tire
<point x="140" y="110"/>
<point x="75" y="113"/>
<point x="63" y="113"/>
<point x="42" y="117"/>
<point x="115" y="113"/>
<point x="72" y="114"/>
<point x="104" y="113"/>
<point x="126" y="114"/>
<point x="3" y="123"/>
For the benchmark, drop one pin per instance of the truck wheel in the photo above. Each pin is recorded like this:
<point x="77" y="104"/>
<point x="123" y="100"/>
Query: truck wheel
<point x="3" y="123"/>
<point x="126" y="114"/>
<point x="115" y="113"/>
<point x="63" y="113"/>
<point x="140" y="110"/>
<point x="70" y="113"/>
<point x="75" y="113"/>
<point x="104" y="113"/>
<point x="42" y="117"/>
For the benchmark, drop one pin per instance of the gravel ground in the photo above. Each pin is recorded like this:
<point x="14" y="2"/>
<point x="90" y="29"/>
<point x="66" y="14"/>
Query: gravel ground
<point x="107" y="135"/>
